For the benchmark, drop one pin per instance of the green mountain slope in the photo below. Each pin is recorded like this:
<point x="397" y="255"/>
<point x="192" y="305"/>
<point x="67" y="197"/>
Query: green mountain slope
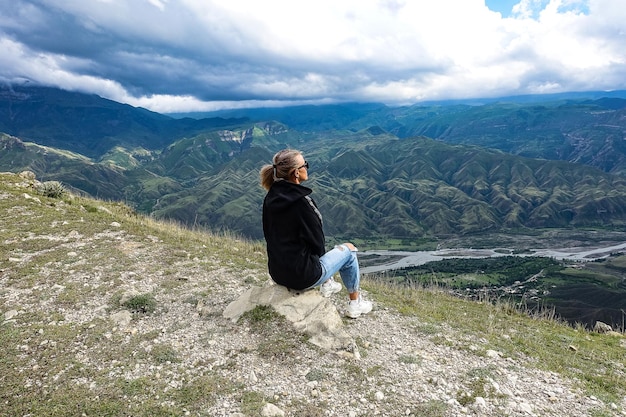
<point x="366" y="185"/>
<point x="368" y="182"/>
<point x="189" y="158"/>
<point x="373" y="186"/>
<point x="74" y="170"/>
<point x="444" y="189"/>
<point x="89" y="124"/>
<point x="588" y="132"/>
<point x="575" y="129"/>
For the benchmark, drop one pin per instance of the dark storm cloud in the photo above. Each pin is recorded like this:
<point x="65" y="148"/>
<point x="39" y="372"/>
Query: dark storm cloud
<point x="167" y="54"/>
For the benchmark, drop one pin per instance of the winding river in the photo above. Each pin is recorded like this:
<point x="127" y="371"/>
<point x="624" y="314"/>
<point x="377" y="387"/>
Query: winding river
<point x="409" y="259"/>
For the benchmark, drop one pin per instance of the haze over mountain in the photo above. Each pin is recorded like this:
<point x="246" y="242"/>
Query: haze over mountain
<point x="374" y="169"/>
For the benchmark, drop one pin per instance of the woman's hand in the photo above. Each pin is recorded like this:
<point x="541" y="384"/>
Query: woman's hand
<point x="350" y="246"/>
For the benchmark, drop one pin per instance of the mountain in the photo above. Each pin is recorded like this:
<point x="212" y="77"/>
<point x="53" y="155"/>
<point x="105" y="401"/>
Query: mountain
<point x="368" y="182"/>
<point x="423" y="186"/>
<point x="308" y="118"/>
<point x="88" y="124"/>
<point x="584" y="128"/>
<point x="588" y="132"/>
<point x="74" y="170"/>
<point x="576" y="127"/>
<point x="367" y="186"/>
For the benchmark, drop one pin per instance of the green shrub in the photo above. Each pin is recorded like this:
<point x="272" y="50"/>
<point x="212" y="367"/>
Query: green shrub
<point x="164" y="354"/>
<point x="143" y="303"/>
<point x="261" y="314"/>
<point x="52" y="189"/>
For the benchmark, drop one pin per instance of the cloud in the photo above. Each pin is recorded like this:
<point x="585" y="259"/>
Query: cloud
<point x="170" y="55"/>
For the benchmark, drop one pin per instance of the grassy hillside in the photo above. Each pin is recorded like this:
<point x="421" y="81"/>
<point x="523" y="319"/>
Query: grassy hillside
<point x="106" y="312"/>
<point x="75" y="170"/>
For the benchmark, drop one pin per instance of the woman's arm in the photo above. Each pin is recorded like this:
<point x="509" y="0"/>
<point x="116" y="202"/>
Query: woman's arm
<point x="312" y="228"/>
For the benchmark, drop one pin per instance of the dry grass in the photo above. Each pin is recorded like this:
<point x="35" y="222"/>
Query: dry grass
<point x="597" y="361"/>
<point x="45" y="243"/>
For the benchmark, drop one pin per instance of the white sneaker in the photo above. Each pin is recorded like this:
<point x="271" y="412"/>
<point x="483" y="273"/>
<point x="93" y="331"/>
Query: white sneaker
<point x="330" y="287"/>
<point x="358" y="307"/>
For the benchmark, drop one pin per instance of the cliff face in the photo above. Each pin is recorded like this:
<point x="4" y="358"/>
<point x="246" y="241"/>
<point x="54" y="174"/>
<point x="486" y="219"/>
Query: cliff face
<point x="107" y="313"/>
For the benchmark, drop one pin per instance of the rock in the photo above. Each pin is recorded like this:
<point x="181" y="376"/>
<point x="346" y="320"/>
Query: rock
<point x="122" y="318"/>
<point x="525" y="408"/>
<point x="252" y="377"/>
<point x="308" y="311"/>
<point x="28" y="175"/>
<point x="10" y="314"/>
<point x="128" y="295"/>
<point x="601" y="327"/>
<point x="270" y="410"/>
<point x="493" y="354"/>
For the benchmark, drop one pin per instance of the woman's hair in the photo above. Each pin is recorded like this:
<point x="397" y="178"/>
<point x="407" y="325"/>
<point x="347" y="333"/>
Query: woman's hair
<point x="283" y="163"/>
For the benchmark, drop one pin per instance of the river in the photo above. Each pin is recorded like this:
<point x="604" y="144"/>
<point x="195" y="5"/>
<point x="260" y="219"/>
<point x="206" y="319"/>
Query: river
<point x="409" y="259"/>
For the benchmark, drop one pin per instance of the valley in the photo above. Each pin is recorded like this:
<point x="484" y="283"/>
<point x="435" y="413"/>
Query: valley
<point x="581" y="284"/>
<point x="560" y="244"/>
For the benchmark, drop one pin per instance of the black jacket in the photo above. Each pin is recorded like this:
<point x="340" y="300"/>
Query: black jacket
<point x="292" y="226"/>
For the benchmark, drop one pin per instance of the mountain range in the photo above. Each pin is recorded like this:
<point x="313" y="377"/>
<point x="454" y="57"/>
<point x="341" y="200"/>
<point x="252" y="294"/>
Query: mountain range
<point x="425" y="170"/>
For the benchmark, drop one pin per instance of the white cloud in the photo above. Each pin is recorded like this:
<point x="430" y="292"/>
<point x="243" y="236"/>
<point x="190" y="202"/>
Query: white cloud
<point x="205" y="53"/>
<point x="158" y="4"/>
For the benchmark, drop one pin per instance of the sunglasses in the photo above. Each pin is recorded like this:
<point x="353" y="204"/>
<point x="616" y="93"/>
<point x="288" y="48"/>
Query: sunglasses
<point x="306" y="165"/>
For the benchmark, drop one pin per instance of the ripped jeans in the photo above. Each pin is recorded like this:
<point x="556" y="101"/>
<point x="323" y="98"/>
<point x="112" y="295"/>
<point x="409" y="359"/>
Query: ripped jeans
<point x="343" y="260"/>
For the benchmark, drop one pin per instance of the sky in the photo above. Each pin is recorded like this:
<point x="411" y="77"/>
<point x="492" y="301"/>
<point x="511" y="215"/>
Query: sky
<point x="200" y="55"/>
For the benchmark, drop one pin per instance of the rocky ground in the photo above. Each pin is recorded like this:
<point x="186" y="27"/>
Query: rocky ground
<point x="184" y="358"/>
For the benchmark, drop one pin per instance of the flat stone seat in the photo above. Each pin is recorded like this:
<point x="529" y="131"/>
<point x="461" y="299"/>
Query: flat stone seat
<point x="307" y="310"/>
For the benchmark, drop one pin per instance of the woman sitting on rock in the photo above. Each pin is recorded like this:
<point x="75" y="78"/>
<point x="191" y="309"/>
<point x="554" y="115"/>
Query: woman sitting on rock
<point x="293" y="231"/>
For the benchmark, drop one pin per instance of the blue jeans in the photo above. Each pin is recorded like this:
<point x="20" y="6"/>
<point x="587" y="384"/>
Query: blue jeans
<point x="342" y="260"/>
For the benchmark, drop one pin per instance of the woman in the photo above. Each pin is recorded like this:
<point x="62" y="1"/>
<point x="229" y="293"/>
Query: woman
<point x="293" y="231"/>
